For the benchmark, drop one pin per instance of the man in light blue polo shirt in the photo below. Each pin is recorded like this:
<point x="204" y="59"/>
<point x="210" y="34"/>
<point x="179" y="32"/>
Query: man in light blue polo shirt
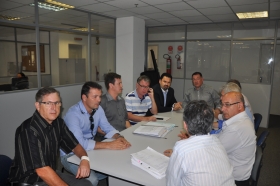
<point x="140" y="100"/>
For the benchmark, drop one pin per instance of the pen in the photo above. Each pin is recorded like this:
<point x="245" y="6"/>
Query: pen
<point x="159" y="118"/>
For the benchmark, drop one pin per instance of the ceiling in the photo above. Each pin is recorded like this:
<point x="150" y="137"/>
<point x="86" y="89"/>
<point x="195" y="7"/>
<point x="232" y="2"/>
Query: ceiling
<point x="154" y="12"/>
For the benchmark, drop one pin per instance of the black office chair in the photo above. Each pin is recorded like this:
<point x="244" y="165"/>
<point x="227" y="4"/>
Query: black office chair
<point x="256" y="167"/>
<point x="257" y="121"/>
<point x="262" y="138"/>
<point x="5" y="163"/>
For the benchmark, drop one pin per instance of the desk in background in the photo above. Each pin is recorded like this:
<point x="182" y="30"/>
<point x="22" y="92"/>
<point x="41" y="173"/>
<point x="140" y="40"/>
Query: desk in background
<point x="117" y="163"/>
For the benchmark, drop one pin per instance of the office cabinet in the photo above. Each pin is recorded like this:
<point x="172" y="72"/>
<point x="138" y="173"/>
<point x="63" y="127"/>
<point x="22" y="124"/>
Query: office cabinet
<point x="72" y="71"/>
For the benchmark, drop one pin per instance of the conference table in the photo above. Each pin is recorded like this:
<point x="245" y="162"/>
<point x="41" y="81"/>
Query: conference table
<point x="117" y="163"/>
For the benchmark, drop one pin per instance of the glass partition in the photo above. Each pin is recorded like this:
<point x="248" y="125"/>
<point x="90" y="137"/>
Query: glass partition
<point x="211" y="58"/>
<point x="252" y="61"/>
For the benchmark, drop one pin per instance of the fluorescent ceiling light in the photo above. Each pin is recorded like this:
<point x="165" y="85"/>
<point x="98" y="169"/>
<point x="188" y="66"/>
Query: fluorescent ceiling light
<point x="252" y="15"/>
<point x="9" y="18"/>
<point x="53" y="5"/>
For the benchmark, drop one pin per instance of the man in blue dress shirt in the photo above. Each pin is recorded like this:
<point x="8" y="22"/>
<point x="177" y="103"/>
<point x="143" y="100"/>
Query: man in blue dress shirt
<point x="83" y="119"/>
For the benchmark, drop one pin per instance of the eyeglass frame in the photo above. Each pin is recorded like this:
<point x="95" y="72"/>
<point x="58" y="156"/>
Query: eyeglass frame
<point x="227" y="105"/>
<point x="142" y="86"/>
<point x="50" y="103"/>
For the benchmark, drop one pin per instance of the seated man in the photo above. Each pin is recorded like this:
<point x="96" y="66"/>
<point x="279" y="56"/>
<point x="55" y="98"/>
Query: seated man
<point x="204" y="92"/>
<point x="37" y="142"/>
<point x="164" y="95"/>
<point x="238" y="137"/>
<point x="140" y="100"/>
<point x="201" y="159"/>
<point x="83" y="119"/>
<point x="113" y="104"/>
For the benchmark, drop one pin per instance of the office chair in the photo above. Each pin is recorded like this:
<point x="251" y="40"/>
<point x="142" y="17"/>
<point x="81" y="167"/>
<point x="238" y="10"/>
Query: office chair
<point x="5" y="163"/>
<point x="262" y="138"/>
<point x="257" y="121"/>
<point x="256" y="167"/>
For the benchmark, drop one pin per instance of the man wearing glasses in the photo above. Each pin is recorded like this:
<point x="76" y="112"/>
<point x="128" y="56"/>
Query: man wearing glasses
<point x="37" y="142"/>
<point x="83" y="119"/>
<point x="140" y="100"/>
<point x="238" y="137"/>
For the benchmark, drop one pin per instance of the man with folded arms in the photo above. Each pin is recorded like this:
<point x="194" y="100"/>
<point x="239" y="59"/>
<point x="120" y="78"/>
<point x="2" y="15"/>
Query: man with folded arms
<point x="164" y="95"/>
<point x="201" y="159"/>
<point x="83" y="119"/>
<point x="139" y="101"/>
<point x="37" y="142"/>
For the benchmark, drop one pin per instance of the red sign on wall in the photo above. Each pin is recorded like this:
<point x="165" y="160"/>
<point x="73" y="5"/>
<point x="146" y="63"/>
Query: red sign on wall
<point x="180" y="48"/>
<point x="170" y="49"/>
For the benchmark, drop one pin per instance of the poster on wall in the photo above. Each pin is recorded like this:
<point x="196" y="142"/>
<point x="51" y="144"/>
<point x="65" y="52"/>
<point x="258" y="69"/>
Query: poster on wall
<point x="170" y="49"/>
<point x="180" y="49"/>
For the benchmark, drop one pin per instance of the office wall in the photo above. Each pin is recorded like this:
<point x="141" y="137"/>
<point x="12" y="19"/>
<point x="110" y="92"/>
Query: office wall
<point x="17" y="106"/>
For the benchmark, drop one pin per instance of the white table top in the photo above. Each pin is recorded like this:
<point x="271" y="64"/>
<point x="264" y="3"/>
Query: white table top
<point x="117" y="163"/>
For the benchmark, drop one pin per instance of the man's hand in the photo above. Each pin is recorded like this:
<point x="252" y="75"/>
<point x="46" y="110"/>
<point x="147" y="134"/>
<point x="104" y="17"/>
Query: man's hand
<point x="168" y="152"/>
<point x="151" y="118"/>
<point x="177" y="106"/>
<point x="151" y="93"/>
<point x="118" y="144"/>
<point x="83" y="170"/>
<point x="101" y="131"/>
<point x="183" y="135"/>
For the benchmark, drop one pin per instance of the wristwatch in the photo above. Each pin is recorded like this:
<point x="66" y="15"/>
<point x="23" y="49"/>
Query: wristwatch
<point x="85" y="158"/>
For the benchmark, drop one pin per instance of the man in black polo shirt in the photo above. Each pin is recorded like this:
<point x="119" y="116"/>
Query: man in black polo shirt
<point x="37" y="143"/>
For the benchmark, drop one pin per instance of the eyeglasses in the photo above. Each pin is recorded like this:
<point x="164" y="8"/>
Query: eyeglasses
<point x="49" y="103"/>
<point x="142" y="86"/>
<point x="92" y="120"/>
<point x="227" y="105"/>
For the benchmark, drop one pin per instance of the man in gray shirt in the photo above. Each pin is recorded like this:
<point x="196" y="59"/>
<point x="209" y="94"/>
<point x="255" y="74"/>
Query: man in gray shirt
<point x="113" y="104"/>
<point x="204" y="92"/>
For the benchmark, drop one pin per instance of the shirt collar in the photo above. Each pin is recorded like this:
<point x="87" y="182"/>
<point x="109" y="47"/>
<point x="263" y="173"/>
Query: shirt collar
<point x="136" y="95"/>
<point x="42" y="121"/>
<point x="110" y="98"/>
<point x="164" y="90"/>
<point x="235" y="118"/>
<point x="83" y="108"/>
<point x="200" y="88"/>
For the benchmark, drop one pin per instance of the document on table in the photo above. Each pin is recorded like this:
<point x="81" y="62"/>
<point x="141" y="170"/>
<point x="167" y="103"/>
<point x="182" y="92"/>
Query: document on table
<point x="151" y="161"/>
<point x="161" y="118"/>
<point x="151" y="131"/>
<point x="160" y="124"/>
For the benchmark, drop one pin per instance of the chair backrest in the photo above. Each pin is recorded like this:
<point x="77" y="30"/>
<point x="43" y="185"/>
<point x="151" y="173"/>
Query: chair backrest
<point x="257" y="121"/>
<point x="257" y="166"/>
<point x="5" y="163"/>
<point x="262" y="138"/>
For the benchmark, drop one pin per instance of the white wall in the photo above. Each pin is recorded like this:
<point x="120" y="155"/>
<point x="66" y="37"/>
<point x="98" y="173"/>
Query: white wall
<point x="18" y="106"/>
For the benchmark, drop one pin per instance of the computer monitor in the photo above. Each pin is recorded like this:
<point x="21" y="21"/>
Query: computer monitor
<point x="20" y="83"/>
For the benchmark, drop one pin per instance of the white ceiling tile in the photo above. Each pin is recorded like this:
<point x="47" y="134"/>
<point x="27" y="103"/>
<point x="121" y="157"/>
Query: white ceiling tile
<point x="119" y="13"/>
<point x="77" y="3"/>
<point x="99" y="7"/>
<point x="172" y="21"/>
<point x="141" y="17"/>
<point x="9" y="4"/>
<point x="125" y="4"/>
<point x="275" y="6"/>
<point x="246" y="2"/>
<point x="185" y="13"/>
<point x="215" y="11"/>
<point x="145" y="10"/>
<point x="275" y="14"/>
<point x="250" y="8"/>
<point x="151" y="22"/>
<point x="223" y="17"/>
<point x="174" y="6"/>
<point x="159" y="15"/>
<point x="26" y="9"/>
<point x="207" y="3"/>
<point x="157" y="2"/>
<point x="23" y="1"/>
<point x="192" y="19"/>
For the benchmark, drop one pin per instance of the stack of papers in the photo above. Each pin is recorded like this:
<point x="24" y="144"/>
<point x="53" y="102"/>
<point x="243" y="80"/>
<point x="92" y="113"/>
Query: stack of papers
<point x="151" y="161"/>
<point x="157" y="129"/>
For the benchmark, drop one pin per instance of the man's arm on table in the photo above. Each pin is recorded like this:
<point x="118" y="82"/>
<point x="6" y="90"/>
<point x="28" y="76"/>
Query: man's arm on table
<point x="154" y="109"/>
<point x="84" y="167"/>
<point x="118" y="144"/>
<point x="140" y="118"/>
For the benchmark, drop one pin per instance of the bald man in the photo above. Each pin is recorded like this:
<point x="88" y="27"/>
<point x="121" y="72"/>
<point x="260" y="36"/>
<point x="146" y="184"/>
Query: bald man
<point x="238" y="137"/>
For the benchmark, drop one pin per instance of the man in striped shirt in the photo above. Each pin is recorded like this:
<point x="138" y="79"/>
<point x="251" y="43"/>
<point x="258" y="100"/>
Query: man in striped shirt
<point x="37" y="143"/>
<point x="139" y="101"/>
